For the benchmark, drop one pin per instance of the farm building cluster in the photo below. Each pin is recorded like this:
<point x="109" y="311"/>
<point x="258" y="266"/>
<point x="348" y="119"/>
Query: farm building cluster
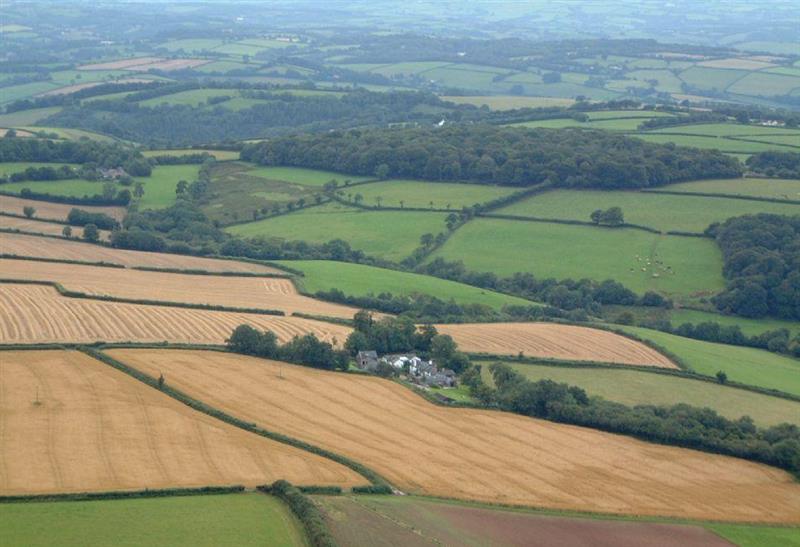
<point x="414" y="368"/>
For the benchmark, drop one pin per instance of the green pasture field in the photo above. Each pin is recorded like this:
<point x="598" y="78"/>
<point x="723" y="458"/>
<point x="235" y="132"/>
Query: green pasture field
<point x="70" y="77"/>
<point x="237" y="191"/>
<point x="159" y="187"/>
<point x="416" y="193"/>
<point x="240" y="103"/>
<point x="788" y="140"/>
<point x="222" y="66"/>
<point x="220" y="155"/>
<point x="306" y="177"/>
<point x="407" y="68"/>
<point x="194" y="97"/>
<point x="109" y="97"/>
<point x="463" y="78"/>
<point x="25" y="91"/>
<point x="711" y="78"/>
<point x="6" y="168"/>
<point x="238" y="49"/>
<point x="266" y="43"/>
<point x="728" y="130"/>
<point x="779" y="48"/>
<point x="764" y="84"/>
<point x="569" y="90"/>
<point x="524" y="78"/>
<point x="618" y="114"/>
<point x="667" y="81"/>
<point x="712" y="143"/>
<point x="660" y="211"/>
<point x="750" y="366"/>
<point x="27" y="117"/>
<point x="232" y="519"/>
<point x="785" y="70"/>
<point x="389" y="235"/>
<point x="768" y="188"/>
<point x="566" y="251"/>
<point x="633" y="387"/>
<point x="192" y="44"/>
<point x="70" y="134"/>
<point x="623" y="124"/>
<point x="66" y="187"/>
<point x="417" y="522"/>
<point x="361" y="280"/>
<point x="509" y="102"/>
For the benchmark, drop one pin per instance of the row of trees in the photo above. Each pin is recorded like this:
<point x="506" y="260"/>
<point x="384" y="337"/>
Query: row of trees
<point x="305" y="350"/>
<point x="497" y="155"/>
<point x="775" y="164"/>
<point x="681" y="425"/>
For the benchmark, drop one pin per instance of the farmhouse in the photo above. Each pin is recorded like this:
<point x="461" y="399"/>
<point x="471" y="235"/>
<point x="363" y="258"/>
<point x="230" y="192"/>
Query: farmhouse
<point x="113" y="173"/>
<point x="367" y="360"/>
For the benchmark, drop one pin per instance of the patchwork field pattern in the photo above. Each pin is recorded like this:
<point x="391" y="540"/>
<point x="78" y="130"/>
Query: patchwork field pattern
<point x="550" y="340"/>
<point x="88" y="427"/>
<point x="32" y="314"/>
<point x="234" y="292"/>
<point x="476" y="454"/>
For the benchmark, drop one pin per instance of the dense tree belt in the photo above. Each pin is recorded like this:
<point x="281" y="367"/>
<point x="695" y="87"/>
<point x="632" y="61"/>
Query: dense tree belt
<point x="498" y="155"/>
<point x="762" y="265"/>
<point x="775" y="164"/>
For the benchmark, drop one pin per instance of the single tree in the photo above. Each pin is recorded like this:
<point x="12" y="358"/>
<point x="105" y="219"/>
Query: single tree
<point x="378" y="200"/>
<point x="109" y="191"/>
<point x="90" y="233"/>
<point x="67" y="231"/>
<point x="161" y="381"/>
<point x="426" y="240"/>
<point x="596" y="216"/>
<point x="181" y="187"/>
<point x="358" y="198"/>
<point x="722" y="377"/>
<point x="29" y="211"/>
<point x="402" y="204"/>
<point x="382" y="171"/>
<point x="138" y="190"/>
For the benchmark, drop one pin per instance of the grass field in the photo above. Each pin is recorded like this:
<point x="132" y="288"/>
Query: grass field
<point x="660" y="211"/>
<point x="27" y="117"/>
<point x="39" y="315"/>
<point x="476" y="454"/>
<point x="764" y="84"/>
<point x="219" y="155"/>
<point x="509" y="102"/>
<point x="243" y="519"/>
<point x="744" y="365"/>
<point x="768" y="188"/>
<point x="159" y="187"/>
<point x="553" y="341"/>
<point x="711" y="78"/>
<point x="597" y="253"/>
<point x="389" y="235"/>
<point x="416" y="193"/>
<point x="70" y="134"/>
<point x="6" y="168"/>
<point x="194" y="97"/>
<point x="384" y="521"/>
<point x="98" y="429"/>
<point x="360" y="280"/>
<point x="44" y="247"/>
<point x="306" y="177"/>
<point x="728" y="130"/>
<point x="633" y="387"/>
<point x="67" y="187"/>
<point x="241" y="292"/>
<point x="715" y="143"/>
<point x="622" y="124"/>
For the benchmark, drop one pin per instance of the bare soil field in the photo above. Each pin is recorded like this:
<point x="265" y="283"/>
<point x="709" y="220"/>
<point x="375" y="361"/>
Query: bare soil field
<point x="242" y="292"/>
<point x="95" y="428"/>
<point x="34" y="314"/>
<point x="61" y="249"/>
<point x="382" y="521"/>
<point x="20" y="132"/>
<point x="122" y="64"/>
<point x="44" y="227"/>
<point x="54" y="211"/>
<point x="553" y="341"/>
<point x="476" y="454"/>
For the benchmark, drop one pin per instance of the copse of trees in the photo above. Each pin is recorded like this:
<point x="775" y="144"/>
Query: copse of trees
<point x="83" y="151"/>
<point x="79" y="217"/>
<point x="761" y="256"/>
<point x="305" y="350"/>
<point x="775" y="164"/>
<point x="497" y="155"/>
<point x="680" y="425"/>
<point x="612" y="216"/>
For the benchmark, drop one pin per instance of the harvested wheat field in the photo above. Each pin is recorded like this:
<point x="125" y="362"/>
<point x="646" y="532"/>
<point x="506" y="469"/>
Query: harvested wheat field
<point x="96" y="428"/>
<point x="34" y="314"/>
<point x="62" y="249"/>
<point x="554" y="341"/>
<point x="43" y="227"/>
<point x="476" y="454"/>
<point x="243" y="292"/>
<point x="54" y="211"/>
<point x="121" y="64"/>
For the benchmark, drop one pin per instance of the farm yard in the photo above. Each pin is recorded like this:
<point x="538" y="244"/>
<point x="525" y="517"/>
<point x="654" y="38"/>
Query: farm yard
<point x="248" y="519"/>
<point x="548" y="340"/>
<point x="89" y="427"/>
<point x="633" y="387"/>
<point x="357" y="417"/>
<point x="228" y="291"/>
<point x="35" y="314"/>
<point x="22" y="245"/>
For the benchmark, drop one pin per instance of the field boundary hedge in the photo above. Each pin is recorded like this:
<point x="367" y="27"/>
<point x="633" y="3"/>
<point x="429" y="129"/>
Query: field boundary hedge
<point x="62" y="261"/>
<point x="575" y="222"/>
<point x="371" y="476"/>
<point x="138" y="301"/>
<point x="35" y="219"/>
<point x="124" y="494"/>
<point x="724" y="196"/>
<point x="192" y="271"/>
<point x="306" y="511"/>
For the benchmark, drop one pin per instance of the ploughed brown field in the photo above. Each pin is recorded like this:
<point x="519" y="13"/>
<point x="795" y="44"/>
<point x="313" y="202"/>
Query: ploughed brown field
<point x="243" y="292"/>
<point x="69" y="423"/>
<point x="54" y="211"/>
<point x="34" y="314"/>
<point x="553" y="341"/>
<point x="61" y="249"/>
<point x="476" y="454"/>
<point x="43" y="227"/>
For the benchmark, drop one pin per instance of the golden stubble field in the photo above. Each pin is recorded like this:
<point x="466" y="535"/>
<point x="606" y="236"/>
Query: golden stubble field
<point x="61" y="249"/>
<point x="476" y="454"/>
<point x="54" y="211"/>
<point x="242" y="292"/>
<point x="34" y="314"/>
<point x="44" y="227"/>
<point x="550" y="340"/>
<point x="97" y="429"/>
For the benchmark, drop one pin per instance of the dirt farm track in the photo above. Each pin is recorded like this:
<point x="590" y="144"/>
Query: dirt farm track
<point x="476" y="454"/>
<point x="97" y="429"/>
